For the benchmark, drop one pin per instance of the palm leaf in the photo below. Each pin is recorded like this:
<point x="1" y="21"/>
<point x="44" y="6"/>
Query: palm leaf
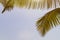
<point x="49" y="20"/>
<point x="8" y="4"/>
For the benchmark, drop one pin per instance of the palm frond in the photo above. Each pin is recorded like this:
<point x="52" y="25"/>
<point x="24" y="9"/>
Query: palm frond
<point x="8" y="4"/>
<point x="49" y="20"/>
<point x="39" y="3"/>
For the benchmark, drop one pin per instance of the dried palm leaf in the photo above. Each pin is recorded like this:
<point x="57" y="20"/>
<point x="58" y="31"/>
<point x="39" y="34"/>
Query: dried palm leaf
<point x="8" y="4"/>
<point x="49" y="20"/>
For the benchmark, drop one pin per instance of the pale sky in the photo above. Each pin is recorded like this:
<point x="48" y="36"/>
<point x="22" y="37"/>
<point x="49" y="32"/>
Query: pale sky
<point x="19" y="24"/>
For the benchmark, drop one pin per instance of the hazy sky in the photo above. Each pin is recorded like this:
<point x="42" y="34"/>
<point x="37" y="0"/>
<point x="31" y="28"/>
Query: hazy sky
<point x="19" y="24"/>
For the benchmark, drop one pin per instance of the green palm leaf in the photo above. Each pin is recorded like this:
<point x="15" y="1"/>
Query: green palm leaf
<point x="49" y="20"/>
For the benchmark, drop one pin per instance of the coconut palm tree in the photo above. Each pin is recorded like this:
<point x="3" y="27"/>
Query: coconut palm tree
<point x="50" y="19"/>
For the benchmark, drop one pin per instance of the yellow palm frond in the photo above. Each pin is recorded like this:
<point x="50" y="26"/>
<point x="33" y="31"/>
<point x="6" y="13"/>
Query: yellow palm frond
<point x="49" y="20"/>
<point x="29" y="3"/>
<point x="8" y="5"/>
